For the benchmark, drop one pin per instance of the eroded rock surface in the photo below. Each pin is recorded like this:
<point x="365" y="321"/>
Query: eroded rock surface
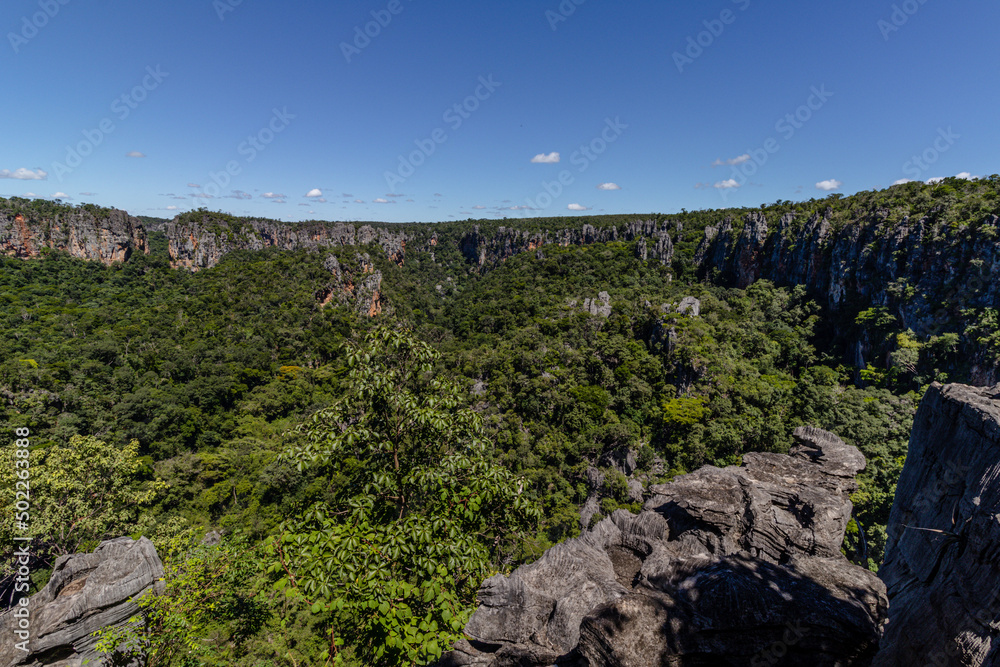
<point x="733" y="566"/>
<point x="202" y="244"/>
<point x="866" y="259"/>
<point x="102" y="238"/>
<point x="357" y="284"/>
<point x="87" y="592"/>
<point x="942" y="566"/>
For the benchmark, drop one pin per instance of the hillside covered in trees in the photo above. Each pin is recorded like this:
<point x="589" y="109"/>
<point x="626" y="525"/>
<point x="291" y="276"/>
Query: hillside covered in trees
<point x="377" y="424"/>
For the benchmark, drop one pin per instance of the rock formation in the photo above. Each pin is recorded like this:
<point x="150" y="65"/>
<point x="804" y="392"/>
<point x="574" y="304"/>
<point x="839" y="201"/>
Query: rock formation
<point x="200" y="245"/>
<point x="488" y="249"/>
<point x="942" y="566"/>
<point x="86" y="592"/>
<point x="924" y="270"/>
<point x="599" y="307"/>
<point x="82" y="233"/>
<point x="359" y="285"/>
<point x="733" y="566"/>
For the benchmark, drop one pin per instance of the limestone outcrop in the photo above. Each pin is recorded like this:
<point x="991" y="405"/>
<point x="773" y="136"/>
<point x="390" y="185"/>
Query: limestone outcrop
<point x="942" y="565"/>
<point x="202" y="244"/>
<point x="86" y="592"/>
<point x="725" y="566"/>
<point x="106" y="237"/>
<point x="488" y="249"/>
<point x="918" y="267"/>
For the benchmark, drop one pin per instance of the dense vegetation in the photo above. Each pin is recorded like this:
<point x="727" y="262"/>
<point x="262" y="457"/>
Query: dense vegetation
<point x="368" y="473"/>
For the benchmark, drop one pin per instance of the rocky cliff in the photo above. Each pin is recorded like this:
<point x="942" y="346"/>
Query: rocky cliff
<point x="488" y="249"/>
<point x="202" y="243"/>
<point x="734" y="566"/>
<point x="923" y="269"/>
<point x="90" y="235"/>
<point x="357" y="284"/>
<point x="942" y="566"/>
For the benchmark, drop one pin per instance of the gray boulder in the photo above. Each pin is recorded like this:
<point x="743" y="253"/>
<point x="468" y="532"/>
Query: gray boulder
<point x="86" y="592"/>
<point x="733" y="566"/>
<point x="942" y="565"/>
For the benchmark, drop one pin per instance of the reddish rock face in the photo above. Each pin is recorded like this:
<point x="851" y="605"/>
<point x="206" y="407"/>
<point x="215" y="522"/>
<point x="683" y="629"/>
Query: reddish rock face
<point x="80" y="233"/>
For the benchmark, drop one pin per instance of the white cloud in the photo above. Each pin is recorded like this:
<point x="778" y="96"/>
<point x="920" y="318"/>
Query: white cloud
<point x="965" y="176"/>
<point x="30" y="194"/>
<point x="359" y="201"/>
<point x="23" y="174"/>
<point x="732" y="161"/>
<point x="315" y="192"/>
<point x="726" y="184"/>
<point x="828" y="185"/>
<point x="902" y="181"/>
<point x="322" y="200"/>
<point x="171" y="208"/>
<point x="60" y="195"/>
<point x="193" y="185"/>
<point x="609" y="186"/>
<point x="312" y="212"/>
<point x="383" y="201"/>
<point x="135" y="154"/>
<point x="272" y="195"/>
<point x="577" y="207"/>
<point x="393" y="195"/>
<point x="935" y="180"/>
<point x="478" y="208"/>
<point x="239" y="194"/>
<point x="88" y="194"/>
<point x="202" y="195"/>
<point x="542" y="158"/>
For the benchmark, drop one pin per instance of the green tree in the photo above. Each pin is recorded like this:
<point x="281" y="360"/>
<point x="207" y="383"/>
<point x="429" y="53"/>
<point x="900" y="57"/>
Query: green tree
<point x="419" y="514"/>
<point x="210" y="607"/>
<point x="81" y="494"/>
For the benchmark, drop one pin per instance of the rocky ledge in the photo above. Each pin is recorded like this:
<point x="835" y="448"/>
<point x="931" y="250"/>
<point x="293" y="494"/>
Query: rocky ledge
<point x="86" y="592"/>
<point x="730" y="566"/>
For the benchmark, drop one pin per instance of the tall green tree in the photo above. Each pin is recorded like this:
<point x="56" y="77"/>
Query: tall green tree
<point x="418" y="513"/>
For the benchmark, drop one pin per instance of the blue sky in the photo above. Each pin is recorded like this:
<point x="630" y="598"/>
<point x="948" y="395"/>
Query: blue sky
<point x="458" y="109"/>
